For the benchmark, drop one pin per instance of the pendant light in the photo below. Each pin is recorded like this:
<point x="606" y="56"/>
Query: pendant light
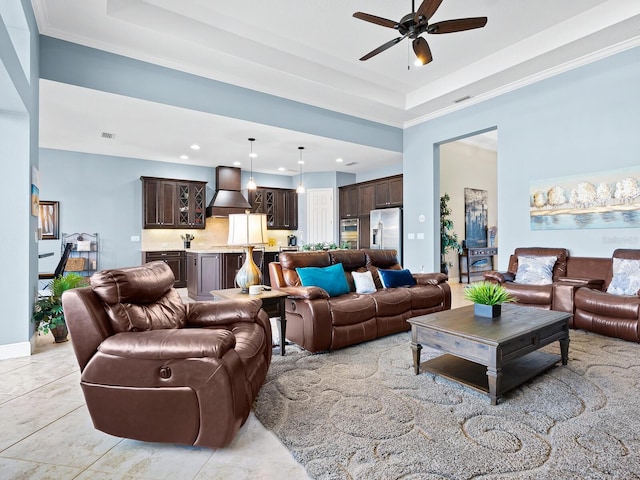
<point x="300" y="188"/>
<point x="251" y="184"/>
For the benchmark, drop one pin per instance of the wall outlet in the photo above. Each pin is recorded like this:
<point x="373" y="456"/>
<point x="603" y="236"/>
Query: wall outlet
<point x="135" y="238"/>
<point x="421" y="236"/>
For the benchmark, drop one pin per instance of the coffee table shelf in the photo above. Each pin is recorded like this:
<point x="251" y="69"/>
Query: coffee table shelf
<point x="474" y="375"/>
<point x="490" y="355"/>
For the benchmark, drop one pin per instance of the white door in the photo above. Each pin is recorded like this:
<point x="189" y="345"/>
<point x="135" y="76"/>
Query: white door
<point x="320" y="215"/>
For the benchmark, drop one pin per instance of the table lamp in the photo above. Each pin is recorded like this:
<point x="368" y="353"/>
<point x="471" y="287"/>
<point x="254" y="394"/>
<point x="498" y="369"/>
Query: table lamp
<point x="248" y="230"/>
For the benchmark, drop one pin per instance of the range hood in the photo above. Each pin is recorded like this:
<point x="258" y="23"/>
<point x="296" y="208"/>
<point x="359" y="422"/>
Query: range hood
<point x="227" y="198"/>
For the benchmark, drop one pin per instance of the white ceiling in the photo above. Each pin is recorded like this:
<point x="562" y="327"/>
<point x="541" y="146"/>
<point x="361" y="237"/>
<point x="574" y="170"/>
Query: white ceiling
<point x="308" y="52"/>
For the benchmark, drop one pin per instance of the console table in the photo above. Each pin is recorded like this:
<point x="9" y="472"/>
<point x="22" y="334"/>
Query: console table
<point x="471" y="255"/>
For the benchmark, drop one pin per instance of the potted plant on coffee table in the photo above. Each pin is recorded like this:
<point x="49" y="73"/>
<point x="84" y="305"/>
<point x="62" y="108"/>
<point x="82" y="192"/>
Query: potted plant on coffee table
<point x="488" y="298"/>
<point x="47" y="310"/>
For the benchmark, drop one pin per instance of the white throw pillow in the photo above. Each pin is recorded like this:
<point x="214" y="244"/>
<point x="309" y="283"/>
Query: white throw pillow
<point x="364" y="282"/>
<point x="626" y="277"/>
<point x="535" y="270"/>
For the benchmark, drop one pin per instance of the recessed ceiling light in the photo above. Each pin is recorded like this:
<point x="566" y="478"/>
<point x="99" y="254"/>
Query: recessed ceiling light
<point x="184" y="157"/>
<point x="301" y="162"/>
<point x="281" y="169"/>
<point x="195" y="146"/>
<point x="339" y="160"/>
<point x="237" y="164"/>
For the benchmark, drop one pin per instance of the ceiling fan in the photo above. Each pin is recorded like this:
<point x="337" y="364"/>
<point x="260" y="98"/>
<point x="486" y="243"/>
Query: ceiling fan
<point x="415" y="24"/>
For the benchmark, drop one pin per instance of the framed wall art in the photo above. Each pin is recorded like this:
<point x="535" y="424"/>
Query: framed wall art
<point x="49" y="220"/>
<point x="609" y="199"/>
<point x="475" y="217"/>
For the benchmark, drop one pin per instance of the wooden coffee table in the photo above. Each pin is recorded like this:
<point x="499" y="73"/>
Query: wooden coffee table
<point x="492" y="356"/>
<point x="272" y="303"/>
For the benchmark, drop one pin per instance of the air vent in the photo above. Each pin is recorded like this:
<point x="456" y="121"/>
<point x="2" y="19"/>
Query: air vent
<point x="462" y="99"/>
<point x="108" y="135"/>
<point x="350" y="164"/>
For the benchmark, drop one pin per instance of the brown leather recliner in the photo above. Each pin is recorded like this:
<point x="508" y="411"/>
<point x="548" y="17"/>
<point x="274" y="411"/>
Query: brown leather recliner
<point x="531" y="295"/>
<point x="157" y="370"/>
<point x="606" y="313"/>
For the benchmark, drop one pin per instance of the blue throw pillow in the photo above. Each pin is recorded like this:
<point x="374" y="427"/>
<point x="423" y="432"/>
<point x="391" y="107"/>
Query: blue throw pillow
<point x="331" y="279"/>
<point x="396" y="278"/>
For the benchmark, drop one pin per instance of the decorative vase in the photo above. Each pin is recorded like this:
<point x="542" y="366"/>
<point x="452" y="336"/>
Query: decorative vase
<point x="60" y="333"/>
<point x="187" y="244"/>
<point x="487" y="311"/>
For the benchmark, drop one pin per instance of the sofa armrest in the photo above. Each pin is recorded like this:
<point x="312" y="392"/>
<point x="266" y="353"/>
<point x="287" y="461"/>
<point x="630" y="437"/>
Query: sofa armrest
<point x="305" y="293"/>
<point x="225" y="312"/>
<point x="430" y="278"/>
<point x="499" y="277"/>
<point x="595" y="283"/>
<point x="169" y="344"/>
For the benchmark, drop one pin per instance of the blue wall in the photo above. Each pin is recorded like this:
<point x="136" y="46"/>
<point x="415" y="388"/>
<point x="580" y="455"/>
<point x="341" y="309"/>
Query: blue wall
<point x="87" y="67"/>
<point x="18" y="154"/>
<point x="103" y="194"/>
<point x="582" y="121"/>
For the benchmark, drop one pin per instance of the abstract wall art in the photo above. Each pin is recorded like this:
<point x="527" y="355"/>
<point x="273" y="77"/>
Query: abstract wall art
<point x="609" y="199"/>
<point x="475" y="217"/>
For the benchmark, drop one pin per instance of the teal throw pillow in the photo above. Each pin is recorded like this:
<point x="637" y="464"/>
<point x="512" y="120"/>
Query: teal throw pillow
<point x="331" y="279"/>
<point x="396" y="278"/>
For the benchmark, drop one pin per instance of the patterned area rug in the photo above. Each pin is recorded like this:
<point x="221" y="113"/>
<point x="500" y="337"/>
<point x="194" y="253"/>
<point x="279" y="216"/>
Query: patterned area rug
<point x="361" y="413"/>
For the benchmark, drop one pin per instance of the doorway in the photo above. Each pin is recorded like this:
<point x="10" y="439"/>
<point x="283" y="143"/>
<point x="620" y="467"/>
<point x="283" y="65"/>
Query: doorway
<point x="470" y="164"/>
<point x="320" y="226"/>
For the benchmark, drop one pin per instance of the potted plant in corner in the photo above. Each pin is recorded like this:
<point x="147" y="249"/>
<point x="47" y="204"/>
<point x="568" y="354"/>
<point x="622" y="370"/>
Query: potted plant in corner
<point x="448" y="238"/>
<point x="488" y="298"/>
<point x="47" y="310"/>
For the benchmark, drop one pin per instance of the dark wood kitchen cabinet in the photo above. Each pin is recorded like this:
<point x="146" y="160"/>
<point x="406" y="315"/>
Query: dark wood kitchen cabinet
<point x="177" y="261"/>
<point x="172" y="203"/>
<point x="388" y="192"/>
<point x="279" y="204"/>
<point x="191" y="204"/>
<point x="158" y="203"/>
<point x="204" y="273"/>
<point x="215" y="271"/>
<point x="366" y="198"/>
<point x="348" y="201"/>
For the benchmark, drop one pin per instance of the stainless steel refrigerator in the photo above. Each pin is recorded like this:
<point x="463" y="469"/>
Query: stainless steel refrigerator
<point x="386" y="229"/>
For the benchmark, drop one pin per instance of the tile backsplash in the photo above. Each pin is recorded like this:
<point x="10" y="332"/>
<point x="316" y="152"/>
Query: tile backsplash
<point x="214" y="235"/>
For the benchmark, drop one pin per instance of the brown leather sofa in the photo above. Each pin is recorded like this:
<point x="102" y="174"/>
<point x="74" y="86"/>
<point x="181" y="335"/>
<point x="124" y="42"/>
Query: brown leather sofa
<point x="531" y="295"/>
<point x="608" y="314"/>
<point x="318" y="322"/>
<point x="157" y="370"/>
<point x="580" y="287"/>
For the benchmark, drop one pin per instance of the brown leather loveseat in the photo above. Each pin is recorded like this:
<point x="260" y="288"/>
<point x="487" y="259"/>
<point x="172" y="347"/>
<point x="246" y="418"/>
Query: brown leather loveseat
<point x="580" y="287"/>
<point x="155" y="369"/>
<point x="318" y="322"/>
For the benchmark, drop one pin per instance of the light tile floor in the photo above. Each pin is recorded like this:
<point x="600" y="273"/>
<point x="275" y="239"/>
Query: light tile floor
<point x="46" y="432"/>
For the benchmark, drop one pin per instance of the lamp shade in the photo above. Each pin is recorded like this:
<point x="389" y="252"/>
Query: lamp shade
<point x="247" y="229"/>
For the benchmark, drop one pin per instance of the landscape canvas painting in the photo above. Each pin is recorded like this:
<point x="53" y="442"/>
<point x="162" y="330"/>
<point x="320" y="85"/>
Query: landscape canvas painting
<point x="608" y="199"/>
<point x="475" y="217"/>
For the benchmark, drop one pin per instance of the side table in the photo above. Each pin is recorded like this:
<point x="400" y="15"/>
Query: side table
<point x="273" y="302"/>
<point x="471" y="255"/>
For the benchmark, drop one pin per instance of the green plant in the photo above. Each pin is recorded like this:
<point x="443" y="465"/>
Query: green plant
<point x="47" y="310"/>
<point x="321" y="246"/>
<point x="487" y="293"/>
<point x="448" y="238"/>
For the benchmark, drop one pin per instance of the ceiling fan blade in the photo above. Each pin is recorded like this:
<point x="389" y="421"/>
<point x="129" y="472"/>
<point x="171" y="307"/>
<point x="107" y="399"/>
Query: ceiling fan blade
<point x="377" y="20"/>
<point x="381" y="48"/>
<point x="426" y="10"/>
<point x="458" y="25"/>
<point x="422" y="50"/>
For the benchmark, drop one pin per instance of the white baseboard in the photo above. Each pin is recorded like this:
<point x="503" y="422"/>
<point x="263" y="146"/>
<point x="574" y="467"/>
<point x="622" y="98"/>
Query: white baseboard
<point x="15" y="350"/>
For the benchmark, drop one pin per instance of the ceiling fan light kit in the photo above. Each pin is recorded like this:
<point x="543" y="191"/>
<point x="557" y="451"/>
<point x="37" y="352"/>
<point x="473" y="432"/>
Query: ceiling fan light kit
<point x="414" y="24"/>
